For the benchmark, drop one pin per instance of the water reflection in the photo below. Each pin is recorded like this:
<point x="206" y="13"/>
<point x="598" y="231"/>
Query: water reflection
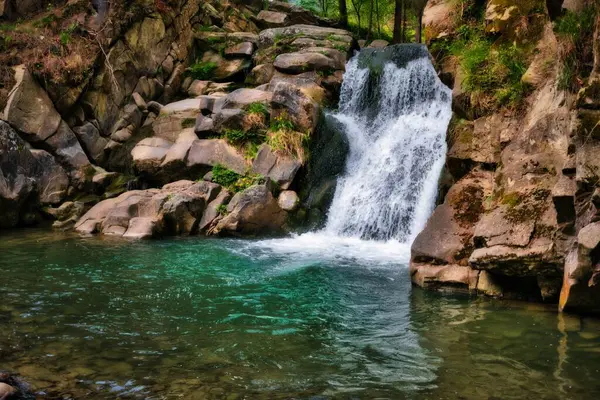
<point x="193" y="319"/>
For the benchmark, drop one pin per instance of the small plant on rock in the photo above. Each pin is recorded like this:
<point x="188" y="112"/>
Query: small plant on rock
<point x="284" y="139"/>
<point x="202" y="70"/>
<point x="222" y="209"/>
<point x="224" y="176"/>
<point x="258" y="108"/>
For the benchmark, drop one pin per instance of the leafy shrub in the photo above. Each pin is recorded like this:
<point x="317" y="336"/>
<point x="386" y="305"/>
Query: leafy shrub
<point x="234" y="181"/>
<point x="224" y="176"/>
<point x="202" y="70"/>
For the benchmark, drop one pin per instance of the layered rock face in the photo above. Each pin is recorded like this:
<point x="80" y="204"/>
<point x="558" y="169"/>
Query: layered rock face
<point x="199" y="93"/>
<point x="519" y="218"/>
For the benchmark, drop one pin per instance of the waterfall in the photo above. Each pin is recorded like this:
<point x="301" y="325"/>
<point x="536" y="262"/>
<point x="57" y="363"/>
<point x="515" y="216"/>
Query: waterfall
<point x="395" y="111"/>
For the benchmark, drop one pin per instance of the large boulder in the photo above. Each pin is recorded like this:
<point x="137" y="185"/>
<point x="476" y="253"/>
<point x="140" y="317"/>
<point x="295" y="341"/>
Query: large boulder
<point x="226" y="68"/>
<point x="175" y="117"/>
<point x="241" y="98"/>
<point x="447" y="240"/>
<point x="29" y="109"/>
<point x="438" y="19"/>
<point x="291" y="102"/>
<point x="251" y="212"/>
<point x="67" y="149"/>
<point x="271" y="19"/>
<point x="28" y="178"/>
<point x="295" y="63"/>
<point x="93" y="143"/>
<point x="210" y="152"/>
<point x="175" y="209"/>
<point x="281" y="169"/>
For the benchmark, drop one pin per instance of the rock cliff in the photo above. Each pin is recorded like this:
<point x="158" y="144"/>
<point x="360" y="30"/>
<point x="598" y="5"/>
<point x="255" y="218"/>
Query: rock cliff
<point x="145" y="118"/>
<point x="519" y="211"/>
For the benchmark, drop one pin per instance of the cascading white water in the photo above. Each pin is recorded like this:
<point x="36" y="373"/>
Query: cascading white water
<point x="395" y="112"/>
<point x="396" y="121"/>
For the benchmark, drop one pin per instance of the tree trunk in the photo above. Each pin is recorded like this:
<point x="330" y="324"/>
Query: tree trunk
<point x="403" y="21"/>
<point x="370" y="30"/>
<point x="378" y="16"/>
<point x="397" y="38"/>
<point x="419" y="32"/>
<point x="343" y="14"/>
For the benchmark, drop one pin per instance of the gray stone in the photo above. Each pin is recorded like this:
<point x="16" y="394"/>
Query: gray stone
<point x="91" y="140"/>
<point x="149" y="154"/>
<point x="204" y="126"/>
<point x="280" y="169"/>
<point x="66" y="147"/>
<point x="29" y="109"/>
<point x="288" y="200"/>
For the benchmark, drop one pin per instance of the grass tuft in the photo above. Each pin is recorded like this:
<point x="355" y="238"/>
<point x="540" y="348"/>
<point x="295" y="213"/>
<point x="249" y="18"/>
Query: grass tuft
<point x="202" y="70"/>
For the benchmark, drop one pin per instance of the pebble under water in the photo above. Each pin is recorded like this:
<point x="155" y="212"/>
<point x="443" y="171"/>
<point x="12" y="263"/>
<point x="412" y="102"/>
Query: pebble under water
<point x="231" y="319"/>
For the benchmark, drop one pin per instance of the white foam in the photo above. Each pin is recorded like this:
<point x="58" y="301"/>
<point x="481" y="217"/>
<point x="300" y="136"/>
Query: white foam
<point x="320" y="246"/>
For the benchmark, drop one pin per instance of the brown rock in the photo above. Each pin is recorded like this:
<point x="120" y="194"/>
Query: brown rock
<point x="451" y="277"/>
<point x="378" y="44"/>
<point x="177" y="208"/>
<point x="142" y="228"/>
<point x="300" y="109"/>
<point x="261" y="74"/>
<point x="198" y="88"/>
<point x="243" y="49"/>
<point x="241" y="98"/>
<point x="6" y="391"/>
<point x="209" y="152"/>
<point x="212" y="210"/>
<point x="251" y="212"/>
<point x="296" y="63"/>
<point x="271" y="19"/>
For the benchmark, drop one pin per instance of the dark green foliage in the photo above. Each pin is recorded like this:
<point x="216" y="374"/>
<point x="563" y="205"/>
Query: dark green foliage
<point x="202" y="70"/>
<point x="224" y="176"/>
<point x="234" y="181"/>
<point x="239" y="137"/>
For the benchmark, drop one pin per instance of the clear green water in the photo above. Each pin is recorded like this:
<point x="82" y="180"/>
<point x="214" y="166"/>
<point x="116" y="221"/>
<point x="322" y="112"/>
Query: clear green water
<point x="204" y="319"/>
